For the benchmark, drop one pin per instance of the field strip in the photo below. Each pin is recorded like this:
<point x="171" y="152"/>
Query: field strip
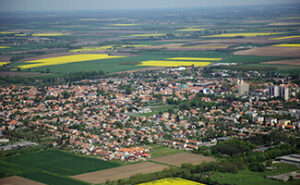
<point x="181" y="158"/>
<point x="120" y="172"/>
<point x="16" y="180"/>
<point x="293" y="62"/>
<point x="195" y="58"/>
<point x="271" y="51"/>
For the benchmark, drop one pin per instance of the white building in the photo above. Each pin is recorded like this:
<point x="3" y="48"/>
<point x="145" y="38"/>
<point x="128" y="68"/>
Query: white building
<point x="273" y="90"/>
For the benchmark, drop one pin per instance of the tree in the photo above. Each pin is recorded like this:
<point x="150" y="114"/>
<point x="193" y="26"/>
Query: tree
<point x="257" y="167"/>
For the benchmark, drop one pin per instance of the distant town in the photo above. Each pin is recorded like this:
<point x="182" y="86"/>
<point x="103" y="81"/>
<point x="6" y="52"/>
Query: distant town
<point x="184" y="108"/>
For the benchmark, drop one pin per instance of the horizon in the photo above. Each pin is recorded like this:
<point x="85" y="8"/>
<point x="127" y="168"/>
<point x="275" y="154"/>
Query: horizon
<point x="129" y="5"/>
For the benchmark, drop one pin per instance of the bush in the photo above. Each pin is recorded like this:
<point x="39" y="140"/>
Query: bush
<point x="257" y="167"/>
<point x="229" y="167"/>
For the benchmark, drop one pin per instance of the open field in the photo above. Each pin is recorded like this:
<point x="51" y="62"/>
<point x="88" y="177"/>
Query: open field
<point x="148" y="35"/>
<point x="49" y="34"/>
<point x="243" y="34"/>
<point x="285" y="69"/>
<point x="271" y="51"/>
<point x="3" y="63"/>
<point x="246" y="177"/>
<point x="182" y="47"/>
<point x="158" y="150"/>
<point x="109" y="47"/>
<point x="195" y="58"/>
<point x="161" y="63"/>
<point x="172" y="181"/>
<point x="21" y="74"/>
<point x="4" y="47"/>
<point x="284" y="24"/>
<point x="16" y="180"/>
<point x="295" y="62"/>
<point x="65" y="60"/>
<point x="287" y="37"/>
<point x="124" y="24"/>
<point x="120" y="172"/>
<point x="58" y="162"/>
<point x="287" y="45"/>
<point x="51" y="166"/>
<point x="191" y="29"/>
<point x="181" y="158"/>
<point x="128" y="63"/>
<point x="237" y="40"/>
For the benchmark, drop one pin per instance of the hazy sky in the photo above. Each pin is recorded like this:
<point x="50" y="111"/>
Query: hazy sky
<point x="8" y="5"/>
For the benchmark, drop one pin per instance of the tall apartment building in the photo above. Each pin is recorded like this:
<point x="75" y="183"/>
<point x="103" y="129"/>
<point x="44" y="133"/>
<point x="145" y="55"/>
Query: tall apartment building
<point x="284" y="92"/>
<point x="273" y="90"/>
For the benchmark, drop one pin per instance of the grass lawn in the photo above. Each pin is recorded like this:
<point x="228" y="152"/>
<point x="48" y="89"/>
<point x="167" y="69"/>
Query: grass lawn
<point x="158" y="150"/>
<point x="52" y="165"/>
<point x="246" y="177"/>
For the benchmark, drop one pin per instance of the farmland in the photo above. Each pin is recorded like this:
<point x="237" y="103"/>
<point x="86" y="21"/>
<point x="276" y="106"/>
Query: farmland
<point x="51" y="166"/>
<point x="16" y="180"/>
<point x="244" y="34"/>
<point x="65" y="60"/>
<point x="271" y="51"/>
<point x="181" y="158"/>
<point x="173" y="63"/>
<point x="172" y="181"/>
<point x="120" y="172"/>
<point x="49" y="34"/>
<point x="135" y="44"/>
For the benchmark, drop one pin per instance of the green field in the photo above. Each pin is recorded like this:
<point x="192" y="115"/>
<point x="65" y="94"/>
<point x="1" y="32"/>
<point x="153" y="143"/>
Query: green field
<point x="51" y="164"/>
<point x="246" y="177"/>
<point x="285" y="69"/>
<point x="119" y="64"/>
<point x="249" y="59"/>
<point x="158" y="150"/>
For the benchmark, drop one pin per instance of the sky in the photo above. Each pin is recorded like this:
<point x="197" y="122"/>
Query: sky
<point x="45" y="5"/>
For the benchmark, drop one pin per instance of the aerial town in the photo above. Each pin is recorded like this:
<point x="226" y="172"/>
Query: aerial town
<point x="109" y="119"/>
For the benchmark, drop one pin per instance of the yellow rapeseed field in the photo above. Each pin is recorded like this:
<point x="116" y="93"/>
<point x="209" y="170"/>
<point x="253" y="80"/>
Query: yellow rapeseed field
<point x="49" y="34"/>
<point x="3" y="63"/>
<point x="7" y="32"/>
<point x="124" y="24"/>
<point x="65" y="60"/>
<point x="3" y="47"/>
<point x="195" y="58"/>
<point x="243" y="34"/>
<point x="172" y="181"/>
<point x="287" y="45"/>
<point x="148" y="35"/>
<point x="161" y="63"/>
<point x="191" y="29"/>
<point x="287" y="37"/>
